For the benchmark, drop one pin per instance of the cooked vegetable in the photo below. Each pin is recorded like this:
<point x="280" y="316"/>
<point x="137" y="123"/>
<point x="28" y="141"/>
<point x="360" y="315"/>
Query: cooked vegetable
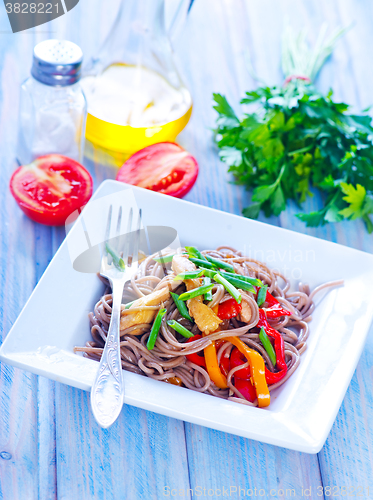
<point x="271" y="377"/>
<point x="262" y="293"/>
<point x="220" y="264"/>
<point x="180" y="329"/>
<point x="213" y="368"/>
<point x="208" y="295"/>
<point x="229" y="287"/>
<point x="180" y="304"/>
<point x="51" y="188"/>
<point x="164" y="259"/>
<point x="117" y="259"/>
<point x="196" y="292"/>
<point x="238" y="283"/>
<point x="229" y="309"/>
<point x="256" y="371"/>
<point x="263" y="337"/>
<point x="298" y="138"/>
<point x="202" y="263"/>
<point x="164" y="167"/>
<point x="188" y="275"/>
<point x="155" y="329"/>
<point x="248" y="279"/>
<point x="194" y="252"/>
<point x="197" y="358"/>
<point x="275" y="310"/>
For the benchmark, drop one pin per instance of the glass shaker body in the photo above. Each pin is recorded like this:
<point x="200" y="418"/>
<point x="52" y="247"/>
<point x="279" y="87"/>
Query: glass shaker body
<point x="51" y="121"/>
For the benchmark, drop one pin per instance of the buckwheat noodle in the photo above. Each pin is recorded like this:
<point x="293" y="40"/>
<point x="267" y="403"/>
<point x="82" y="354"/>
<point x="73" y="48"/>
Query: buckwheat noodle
<point x="167" y="360"/>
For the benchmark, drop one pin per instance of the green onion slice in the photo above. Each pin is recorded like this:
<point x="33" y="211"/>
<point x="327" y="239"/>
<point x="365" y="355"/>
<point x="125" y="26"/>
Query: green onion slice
<point x="188" y="275"/>
<point x="201" y="290"/>
<point x="229" y="287"/>
<point x="240" y="284"/>
<point x="194" y="252"/>
<point x="220" y="264"/>
<point x="208" y="295"/>
<point x="180" y="329"/>
<point x="262" y="293"/>
<point x="155" y="329"/>
<point x="202" y="263"/>
<point x="263" y="337"/>
<point x="252" y="281"/>
<point x="180" y="304"/>
<point x="117" y="260"/>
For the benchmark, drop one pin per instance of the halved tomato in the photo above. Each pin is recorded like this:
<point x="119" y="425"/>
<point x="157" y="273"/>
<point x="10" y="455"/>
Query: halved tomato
<point x="50" y="188"/>
<point x="164" y="167"/>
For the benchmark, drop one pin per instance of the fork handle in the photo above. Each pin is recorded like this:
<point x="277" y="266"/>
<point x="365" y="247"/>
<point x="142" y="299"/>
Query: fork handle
<point x="107" y="392"/>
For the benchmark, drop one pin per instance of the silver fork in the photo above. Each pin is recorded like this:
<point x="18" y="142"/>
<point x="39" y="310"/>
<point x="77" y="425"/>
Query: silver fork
<point x="107" y="392"/>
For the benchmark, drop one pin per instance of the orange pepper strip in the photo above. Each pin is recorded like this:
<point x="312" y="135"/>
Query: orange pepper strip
<point x="257" y="371"/>
<point x="213" y="367"/>
<point x="212" y="364"/>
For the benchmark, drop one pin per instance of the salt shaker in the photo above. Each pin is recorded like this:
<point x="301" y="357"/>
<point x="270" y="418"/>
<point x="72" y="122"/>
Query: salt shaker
<point x="52" y="104"/>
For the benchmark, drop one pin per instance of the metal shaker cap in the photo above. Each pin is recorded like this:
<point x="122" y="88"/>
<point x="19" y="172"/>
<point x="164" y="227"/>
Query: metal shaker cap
<point x="57" y="62"/>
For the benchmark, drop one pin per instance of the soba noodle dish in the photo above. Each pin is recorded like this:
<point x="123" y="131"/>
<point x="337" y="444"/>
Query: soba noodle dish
<point x="215" y="321"/>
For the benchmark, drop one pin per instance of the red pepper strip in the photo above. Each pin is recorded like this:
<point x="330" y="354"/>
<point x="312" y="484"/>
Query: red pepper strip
<point x="196" y="358"/>
<point x="246" y="388"/>
<point x="229" y="309"/>
<point x="237" y="359"/>
<point x="271" y="377"/>
<point x="275" y="310"/>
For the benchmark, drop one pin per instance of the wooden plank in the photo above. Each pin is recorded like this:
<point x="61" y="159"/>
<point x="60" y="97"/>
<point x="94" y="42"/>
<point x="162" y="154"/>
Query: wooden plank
<point x="139" y="456"/>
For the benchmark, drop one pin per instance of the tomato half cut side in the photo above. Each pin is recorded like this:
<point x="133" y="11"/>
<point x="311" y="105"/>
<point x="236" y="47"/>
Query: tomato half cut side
<point x="51" y="188"/>
<point x="164" y="167"/>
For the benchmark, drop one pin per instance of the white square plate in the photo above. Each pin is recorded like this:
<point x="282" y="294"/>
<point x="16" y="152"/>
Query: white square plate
<point x="302" y="411"/>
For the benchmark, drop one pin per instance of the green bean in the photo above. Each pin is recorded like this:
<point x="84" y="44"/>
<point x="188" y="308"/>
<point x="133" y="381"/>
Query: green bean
<point x="229" y="287"/>
<point x="196" y="292"/>
<point x="220" y="264"/>
<point x="188" y="275"/>
<point x="202" y="263"/>
<point x="180" y="304"/>
<point x="262" y="294"/>
<point x="194" y="252"/>
<point x="248" y="279"/>
<point x="180" y="329"/>
<point x="155" y="329"/>
<point x="263" y="337"/>
<point x="208" y="295"/>
<point x="239" y="283"/>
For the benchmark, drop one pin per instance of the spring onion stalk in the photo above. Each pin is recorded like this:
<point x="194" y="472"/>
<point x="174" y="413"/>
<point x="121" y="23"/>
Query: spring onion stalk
<point x="208" y="295"/>
<point x="202" y="263"/>
<point x="234" y="279"/>
<point x="117" y="260"/>
<point x="194" y="252"/>
<point x="229" y="287"/>
<point x="262" y="293"/>
<point x="180" y="329"/>
<point x="196" y="292"/>
<point x="209" y="272"/>
<point x="263" y="337"/>
<point x="181" y="306"/>
<point x="129" y="304"/>
<point x="239" y="283"/>
<point x="188" y="275"/>
<point x="155" y="329"/>
<point x="220" y="264"/>
<point x="164" y="259"/>
<point x="248" y="279"/>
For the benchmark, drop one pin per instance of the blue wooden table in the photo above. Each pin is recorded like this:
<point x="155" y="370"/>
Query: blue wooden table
<point x="50" y="446"/>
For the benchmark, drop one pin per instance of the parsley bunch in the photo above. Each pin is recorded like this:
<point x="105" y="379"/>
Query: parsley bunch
<point x="298" y="138"/>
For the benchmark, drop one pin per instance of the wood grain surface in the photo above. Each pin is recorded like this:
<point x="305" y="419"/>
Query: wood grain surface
<point x="50" y="446"/>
